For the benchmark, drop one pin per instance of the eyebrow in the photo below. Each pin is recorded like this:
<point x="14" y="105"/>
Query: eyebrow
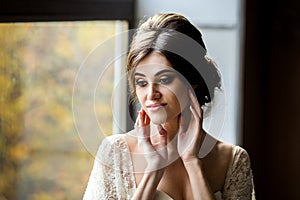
<point x="157" y="74"/>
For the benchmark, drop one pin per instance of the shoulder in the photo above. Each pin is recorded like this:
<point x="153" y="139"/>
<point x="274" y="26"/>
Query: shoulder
<point x="232" y="156"/>
<point x="224" y="150"/>
<point x="118" y="142"/>
<point x="238" y="162"/>
<point x="231" y="163"/>
<point x="239" y="179"/>
<point x="240" y="159"/>
<point x="132" y="141"/>
<point x="216" y="164"/>
<point x="111" y="145"/>
<point x="239" y="151"/>
<point x="112" y="140"/>
<point x="220" y="157"/>
<point x="231" y="153"/>
<point x="221" y="154"/>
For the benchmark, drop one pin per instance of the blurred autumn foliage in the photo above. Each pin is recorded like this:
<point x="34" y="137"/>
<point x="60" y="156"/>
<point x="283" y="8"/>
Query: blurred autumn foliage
<point x="41" y="155"/>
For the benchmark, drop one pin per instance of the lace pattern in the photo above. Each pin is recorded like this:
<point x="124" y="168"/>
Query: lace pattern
<point x="239" y="179"/>
<point x="112" y="175"/>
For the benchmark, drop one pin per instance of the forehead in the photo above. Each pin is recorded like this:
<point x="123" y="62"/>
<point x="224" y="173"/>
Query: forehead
<point x="153" y="61"/>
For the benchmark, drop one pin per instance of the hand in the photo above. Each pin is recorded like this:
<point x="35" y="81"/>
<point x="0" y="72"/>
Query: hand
<point x="156" y="155"/>
<point x="190" y="135"/>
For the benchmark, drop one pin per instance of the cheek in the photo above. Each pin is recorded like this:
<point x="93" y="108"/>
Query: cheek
<point x="182" y="97"/>
<point x="141" y="96"/>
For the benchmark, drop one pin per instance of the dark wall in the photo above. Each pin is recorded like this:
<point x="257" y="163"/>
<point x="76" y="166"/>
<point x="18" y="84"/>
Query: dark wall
<point x="271" y="127"/>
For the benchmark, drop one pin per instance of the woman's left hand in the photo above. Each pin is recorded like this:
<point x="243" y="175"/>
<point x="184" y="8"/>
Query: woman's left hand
<point x="190" y="135"/>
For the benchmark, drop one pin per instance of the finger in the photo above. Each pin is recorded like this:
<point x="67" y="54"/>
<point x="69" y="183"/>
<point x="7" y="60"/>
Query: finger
<point x="137" y="120"/>
<point x="145" y="127"/>
<point x="144" y="141"/>
<point x="146" y="146"/>
<point x="139" y="130"/>
<point x="198" y="123"/>
<point x="147" y="119"/>
<point x="161" y="146"/>
<point x="195" y="115"/>
<point x="181" y="123"/>
<point x="195" y="102"/>
<point x="143" y="118"/>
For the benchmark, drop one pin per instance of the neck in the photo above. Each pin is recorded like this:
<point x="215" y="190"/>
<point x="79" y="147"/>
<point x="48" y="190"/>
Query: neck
<point x="171" y="127"/>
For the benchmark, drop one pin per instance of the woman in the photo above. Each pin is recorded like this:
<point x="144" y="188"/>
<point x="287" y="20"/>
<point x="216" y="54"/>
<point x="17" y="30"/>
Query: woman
<point x="172" y="79"/>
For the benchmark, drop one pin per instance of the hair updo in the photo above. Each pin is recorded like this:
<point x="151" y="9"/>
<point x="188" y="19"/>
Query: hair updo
<point x="161" y="33"/>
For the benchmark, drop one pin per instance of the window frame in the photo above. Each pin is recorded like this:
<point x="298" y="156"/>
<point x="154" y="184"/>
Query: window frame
<point x="67" y="10"/>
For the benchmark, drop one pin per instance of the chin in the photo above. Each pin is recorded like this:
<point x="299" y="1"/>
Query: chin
<point x="158" y="118"/>
<point x="158" y="121"/>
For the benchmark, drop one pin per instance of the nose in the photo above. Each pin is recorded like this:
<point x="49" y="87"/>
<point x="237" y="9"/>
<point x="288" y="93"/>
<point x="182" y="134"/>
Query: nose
<point x="153" y="93"/>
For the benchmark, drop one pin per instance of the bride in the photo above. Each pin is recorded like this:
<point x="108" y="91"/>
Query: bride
<point x="173" y="80"/>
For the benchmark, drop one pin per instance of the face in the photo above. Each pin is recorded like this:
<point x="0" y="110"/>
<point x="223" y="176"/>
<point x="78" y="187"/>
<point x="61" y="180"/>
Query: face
<point x="160" y="90"/>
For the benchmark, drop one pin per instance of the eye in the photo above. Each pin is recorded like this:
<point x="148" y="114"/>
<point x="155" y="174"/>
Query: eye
<point x="166" y="80"/>
<point x="140" y="83"/>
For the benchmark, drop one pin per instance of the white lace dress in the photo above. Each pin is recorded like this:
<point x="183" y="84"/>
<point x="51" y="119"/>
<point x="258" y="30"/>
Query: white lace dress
<point x="112" y="175"/>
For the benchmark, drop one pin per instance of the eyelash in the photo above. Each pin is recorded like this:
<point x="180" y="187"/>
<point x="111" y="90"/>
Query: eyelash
<point x="164" y="81"/>
<point x="140" y="83"/>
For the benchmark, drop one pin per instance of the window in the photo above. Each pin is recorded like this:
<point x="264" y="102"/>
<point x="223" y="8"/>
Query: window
<point x="43" y="48"/>
<point x="42" y="155"/>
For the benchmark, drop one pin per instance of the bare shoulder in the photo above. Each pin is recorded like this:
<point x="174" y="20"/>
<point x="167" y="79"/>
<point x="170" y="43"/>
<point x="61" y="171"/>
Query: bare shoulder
<point x="229" y="152"/>
<point x="216" y="164"/>
<point x="224" y="150"/>
<point x="221" y="154"/>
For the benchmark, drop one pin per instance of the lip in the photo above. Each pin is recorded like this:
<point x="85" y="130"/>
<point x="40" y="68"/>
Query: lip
<point x="155" y="106"/>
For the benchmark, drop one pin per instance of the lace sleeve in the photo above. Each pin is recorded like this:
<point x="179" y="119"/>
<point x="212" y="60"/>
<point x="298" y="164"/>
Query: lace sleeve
<point x="111" y="176"/>
<point x="239" y="180"/>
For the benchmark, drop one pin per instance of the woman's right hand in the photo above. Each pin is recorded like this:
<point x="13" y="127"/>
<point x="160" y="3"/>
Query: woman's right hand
<point x="155" y="154"/>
